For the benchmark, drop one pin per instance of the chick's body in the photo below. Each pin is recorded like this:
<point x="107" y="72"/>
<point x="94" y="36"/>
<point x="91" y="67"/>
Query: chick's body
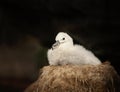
<point x="68" y="53"/>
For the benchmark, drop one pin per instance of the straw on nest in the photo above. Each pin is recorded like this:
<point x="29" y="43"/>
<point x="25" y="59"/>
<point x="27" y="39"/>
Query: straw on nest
<point x="77" y="78"/>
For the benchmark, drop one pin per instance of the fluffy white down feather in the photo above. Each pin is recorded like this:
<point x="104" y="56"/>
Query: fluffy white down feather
<point x="65" y="52"/>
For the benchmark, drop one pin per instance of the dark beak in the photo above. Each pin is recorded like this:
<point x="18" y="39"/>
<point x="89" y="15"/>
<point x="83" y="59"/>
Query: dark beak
<point x="56" y="44"/>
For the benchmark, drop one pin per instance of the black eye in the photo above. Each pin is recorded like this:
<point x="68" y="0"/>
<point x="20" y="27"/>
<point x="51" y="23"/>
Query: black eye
<point x="63" y="38"/>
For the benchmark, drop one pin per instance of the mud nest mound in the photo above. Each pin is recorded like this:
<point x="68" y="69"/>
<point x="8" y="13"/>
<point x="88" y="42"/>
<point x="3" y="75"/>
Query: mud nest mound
<point x="77" y="78"/>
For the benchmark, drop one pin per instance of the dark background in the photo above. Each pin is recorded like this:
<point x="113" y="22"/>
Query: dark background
<point x="28" y="29"/>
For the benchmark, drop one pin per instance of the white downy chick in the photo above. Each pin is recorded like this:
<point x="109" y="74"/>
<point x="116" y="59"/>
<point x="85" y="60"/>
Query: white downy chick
<point x="64" y="52"/>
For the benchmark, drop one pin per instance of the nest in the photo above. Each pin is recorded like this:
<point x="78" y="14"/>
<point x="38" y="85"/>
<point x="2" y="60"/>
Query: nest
<point x="77" y="78"/>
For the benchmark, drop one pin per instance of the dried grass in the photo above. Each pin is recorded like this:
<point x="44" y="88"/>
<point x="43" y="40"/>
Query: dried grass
<point x="77" y="78"/>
